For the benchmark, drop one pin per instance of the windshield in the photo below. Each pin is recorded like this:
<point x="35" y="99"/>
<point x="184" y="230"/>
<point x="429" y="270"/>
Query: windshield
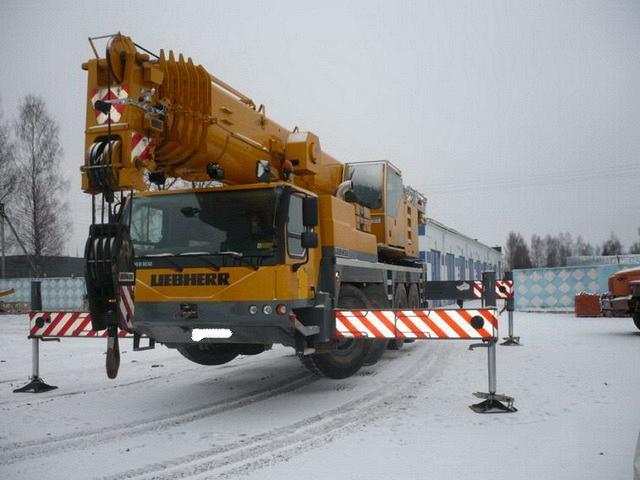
<point x="240" y="223"/>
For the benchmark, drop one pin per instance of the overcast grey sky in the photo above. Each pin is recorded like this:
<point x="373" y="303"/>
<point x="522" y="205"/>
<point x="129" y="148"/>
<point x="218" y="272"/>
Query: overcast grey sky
<point x="512" y="115"/>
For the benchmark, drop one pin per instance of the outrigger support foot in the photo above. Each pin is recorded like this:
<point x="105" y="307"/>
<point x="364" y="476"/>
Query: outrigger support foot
<point x="36" y="385"/>
<point x="493" y="403"/>
<point x="511" y="341"/>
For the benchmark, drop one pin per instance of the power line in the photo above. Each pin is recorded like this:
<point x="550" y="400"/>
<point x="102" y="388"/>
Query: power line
<point x="621" y="175"/>
<point x="582" y="174"/>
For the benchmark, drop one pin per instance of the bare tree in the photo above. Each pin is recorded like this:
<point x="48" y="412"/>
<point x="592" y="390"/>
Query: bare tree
<point x="7" y="187"/>
<point x="7" y="162"/>
<point x="517" y="252"/>
<point x="41" y="214"/>
<point x="538" y="255"/>
<point x="566" y="247"/>
<point x="635" y="246"/>
<point x="612" y="246"/>
<point x="552" y="250"/>
<point x="582" y="248"/>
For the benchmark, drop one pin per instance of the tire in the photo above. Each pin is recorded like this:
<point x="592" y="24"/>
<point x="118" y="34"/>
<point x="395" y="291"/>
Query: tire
<point x="399" y="301"/>
<point x="413" y="301"/>
<point x="378" y="299"/>
<point x="350" y="353"/>
<point x="636" y="320"/>
<point x="208" y="353"/>
<point x="252" y="348"/>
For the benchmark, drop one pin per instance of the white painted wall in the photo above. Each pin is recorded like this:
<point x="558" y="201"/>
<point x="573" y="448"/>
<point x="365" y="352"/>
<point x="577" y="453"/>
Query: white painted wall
<point x="446" y="240"/>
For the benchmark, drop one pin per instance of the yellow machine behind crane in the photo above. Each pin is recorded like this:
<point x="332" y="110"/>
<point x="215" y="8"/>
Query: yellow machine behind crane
<point x="266" y="237"/>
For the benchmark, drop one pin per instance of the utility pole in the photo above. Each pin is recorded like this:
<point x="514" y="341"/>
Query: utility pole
<point x="3" y="217"/>
<point x="3" y="266"/>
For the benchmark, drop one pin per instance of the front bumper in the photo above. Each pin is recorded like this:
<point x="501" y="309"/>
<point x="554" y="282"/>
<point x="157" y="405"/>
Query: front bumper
<point x="173" y="323"/>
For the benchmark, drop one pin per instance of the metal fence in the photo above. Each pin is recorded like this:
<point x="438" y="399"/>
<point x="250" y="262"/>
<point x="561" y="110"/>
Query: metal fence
<point x="554" y="289"/>
<point x="64" y="293"/>
<point x="582" y="261"/>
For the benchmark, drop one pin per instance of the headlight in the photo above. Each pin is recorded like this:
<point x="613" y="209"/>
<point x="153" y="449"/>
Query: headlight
<point x="253" y="309"/>
<point x="267" y="309"/>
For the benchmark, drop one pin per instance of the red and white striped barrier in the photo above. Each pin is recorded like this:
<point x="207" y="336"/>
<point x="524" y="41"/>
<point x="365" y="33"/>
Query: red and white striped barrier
<point x="422" y="324"/>
<point x="126" y="306"/>
<point x="504" y="289"/>
<point x="450" y="324"/>
<point x="64" y="324"/>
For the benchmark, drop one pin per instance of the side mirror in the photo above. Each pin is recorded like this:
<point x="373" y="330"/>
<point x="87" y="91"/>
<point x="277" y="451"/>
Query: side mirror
<point x="310" y="212"/>
<point x="309" y="239"/>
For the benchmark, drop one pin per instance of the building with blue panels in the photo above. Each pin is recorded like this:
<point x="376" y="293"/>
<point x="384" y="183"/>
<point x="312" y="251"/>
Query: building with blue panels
<point x="451" y="255"/>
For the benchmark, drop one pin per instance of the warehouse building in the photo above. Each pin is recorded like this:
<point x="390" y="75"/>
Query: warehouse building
<point x="18" y="266"/>
<point x="451" y="255"/>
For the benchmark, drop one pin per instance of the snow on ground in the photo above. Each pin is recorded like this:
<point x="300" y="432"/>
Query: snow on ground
<point x="575" y="381"/>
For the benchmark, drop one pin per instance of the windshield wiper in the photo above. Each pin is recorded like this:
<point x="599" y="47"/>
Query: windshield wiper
<point x="260" y="257"/>
<point x="239" y="256"/>
<point x="202" y="256"/>
<point x="165" y="256"/>
<point x="231" y="253"/>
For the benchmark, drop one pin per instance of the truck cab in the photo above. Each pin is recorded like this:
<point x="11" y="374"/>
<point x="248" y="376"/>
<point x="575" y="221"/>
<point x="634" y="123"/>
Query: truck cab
<point x="223" y="265"/>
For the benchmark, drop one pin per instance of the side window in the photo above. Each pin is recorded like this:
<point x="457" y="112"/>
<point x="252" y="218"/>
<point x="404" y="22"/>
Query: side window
<point x="395" y="192"/>
<point x="146" y="225"/>
<point x="295" y="227"/>
<point x="367" y="184"/>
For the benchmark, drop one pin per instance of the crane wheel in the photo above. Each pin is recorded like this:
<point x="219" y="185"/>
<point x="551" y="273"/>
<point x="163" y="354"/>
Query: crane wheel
<point x="208" y="353"/>
<point x="636" y="320"/>
<point x="350" y="353"/>
<point x="378" y="299"/>
<point x="399" y="301"/>
<point x="413" y="302"/>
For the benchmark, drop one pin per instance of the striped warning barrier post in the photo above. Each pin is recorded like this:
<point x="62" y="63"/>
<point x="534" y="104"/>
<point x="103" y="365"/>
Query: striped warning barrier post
<point x="126" y="306"/>
<point x="65" y="324"/>
<point x="446" y="324"/>
<point x="504" y="289"/>
<point x="350" y="325"/>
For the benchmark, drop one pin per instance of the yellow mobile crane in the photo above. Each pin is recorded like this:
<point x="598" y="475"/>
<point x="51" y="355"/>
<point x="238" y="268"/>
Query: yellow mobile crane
<point x="267" y="235"/>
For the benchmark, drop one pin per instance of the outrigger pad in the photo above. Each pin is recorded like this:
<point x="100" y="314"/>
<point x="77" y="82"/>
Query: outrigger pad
<point x="511" y="341"/>
<point x="493" y="404"/>
<point x="36" y="385"/>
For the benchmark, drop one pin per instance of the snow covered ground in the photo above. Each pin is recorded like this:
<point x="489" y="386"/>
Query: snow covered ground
<point x="576" y="384"/>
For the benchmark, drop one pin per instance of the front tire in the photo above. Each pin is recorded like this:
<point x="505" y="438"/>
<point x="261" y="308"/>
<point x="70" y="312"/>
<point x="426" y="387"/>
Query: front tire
<point x="636" y="320"/>
<point x="208" y="353"/>
<point x="399" y="301"/>
<point x="413" y="302"/>
<point x="350" y="353"/>
<point x="377" y="347"/>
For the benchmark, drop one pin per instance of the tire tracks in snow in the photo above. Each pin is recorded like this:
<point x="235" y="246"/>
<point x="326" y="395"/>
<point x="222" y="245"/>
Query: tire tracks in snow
<point x="52" y="445"/>
<point x="281" y="443"/>
<point x="8" y="405"/>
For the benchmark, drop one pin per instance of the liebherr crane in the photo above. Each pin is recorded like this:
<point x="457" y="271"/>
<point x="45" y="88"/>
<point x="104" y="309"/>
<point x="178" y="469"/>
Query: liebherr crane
<point x="265" y="237"/>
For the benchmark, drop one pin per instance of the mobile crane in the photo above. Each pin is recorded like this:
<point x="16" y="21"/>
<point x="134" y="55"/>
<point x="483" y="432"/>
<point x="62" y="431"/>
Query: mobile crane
<point x="267" y="235"/>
